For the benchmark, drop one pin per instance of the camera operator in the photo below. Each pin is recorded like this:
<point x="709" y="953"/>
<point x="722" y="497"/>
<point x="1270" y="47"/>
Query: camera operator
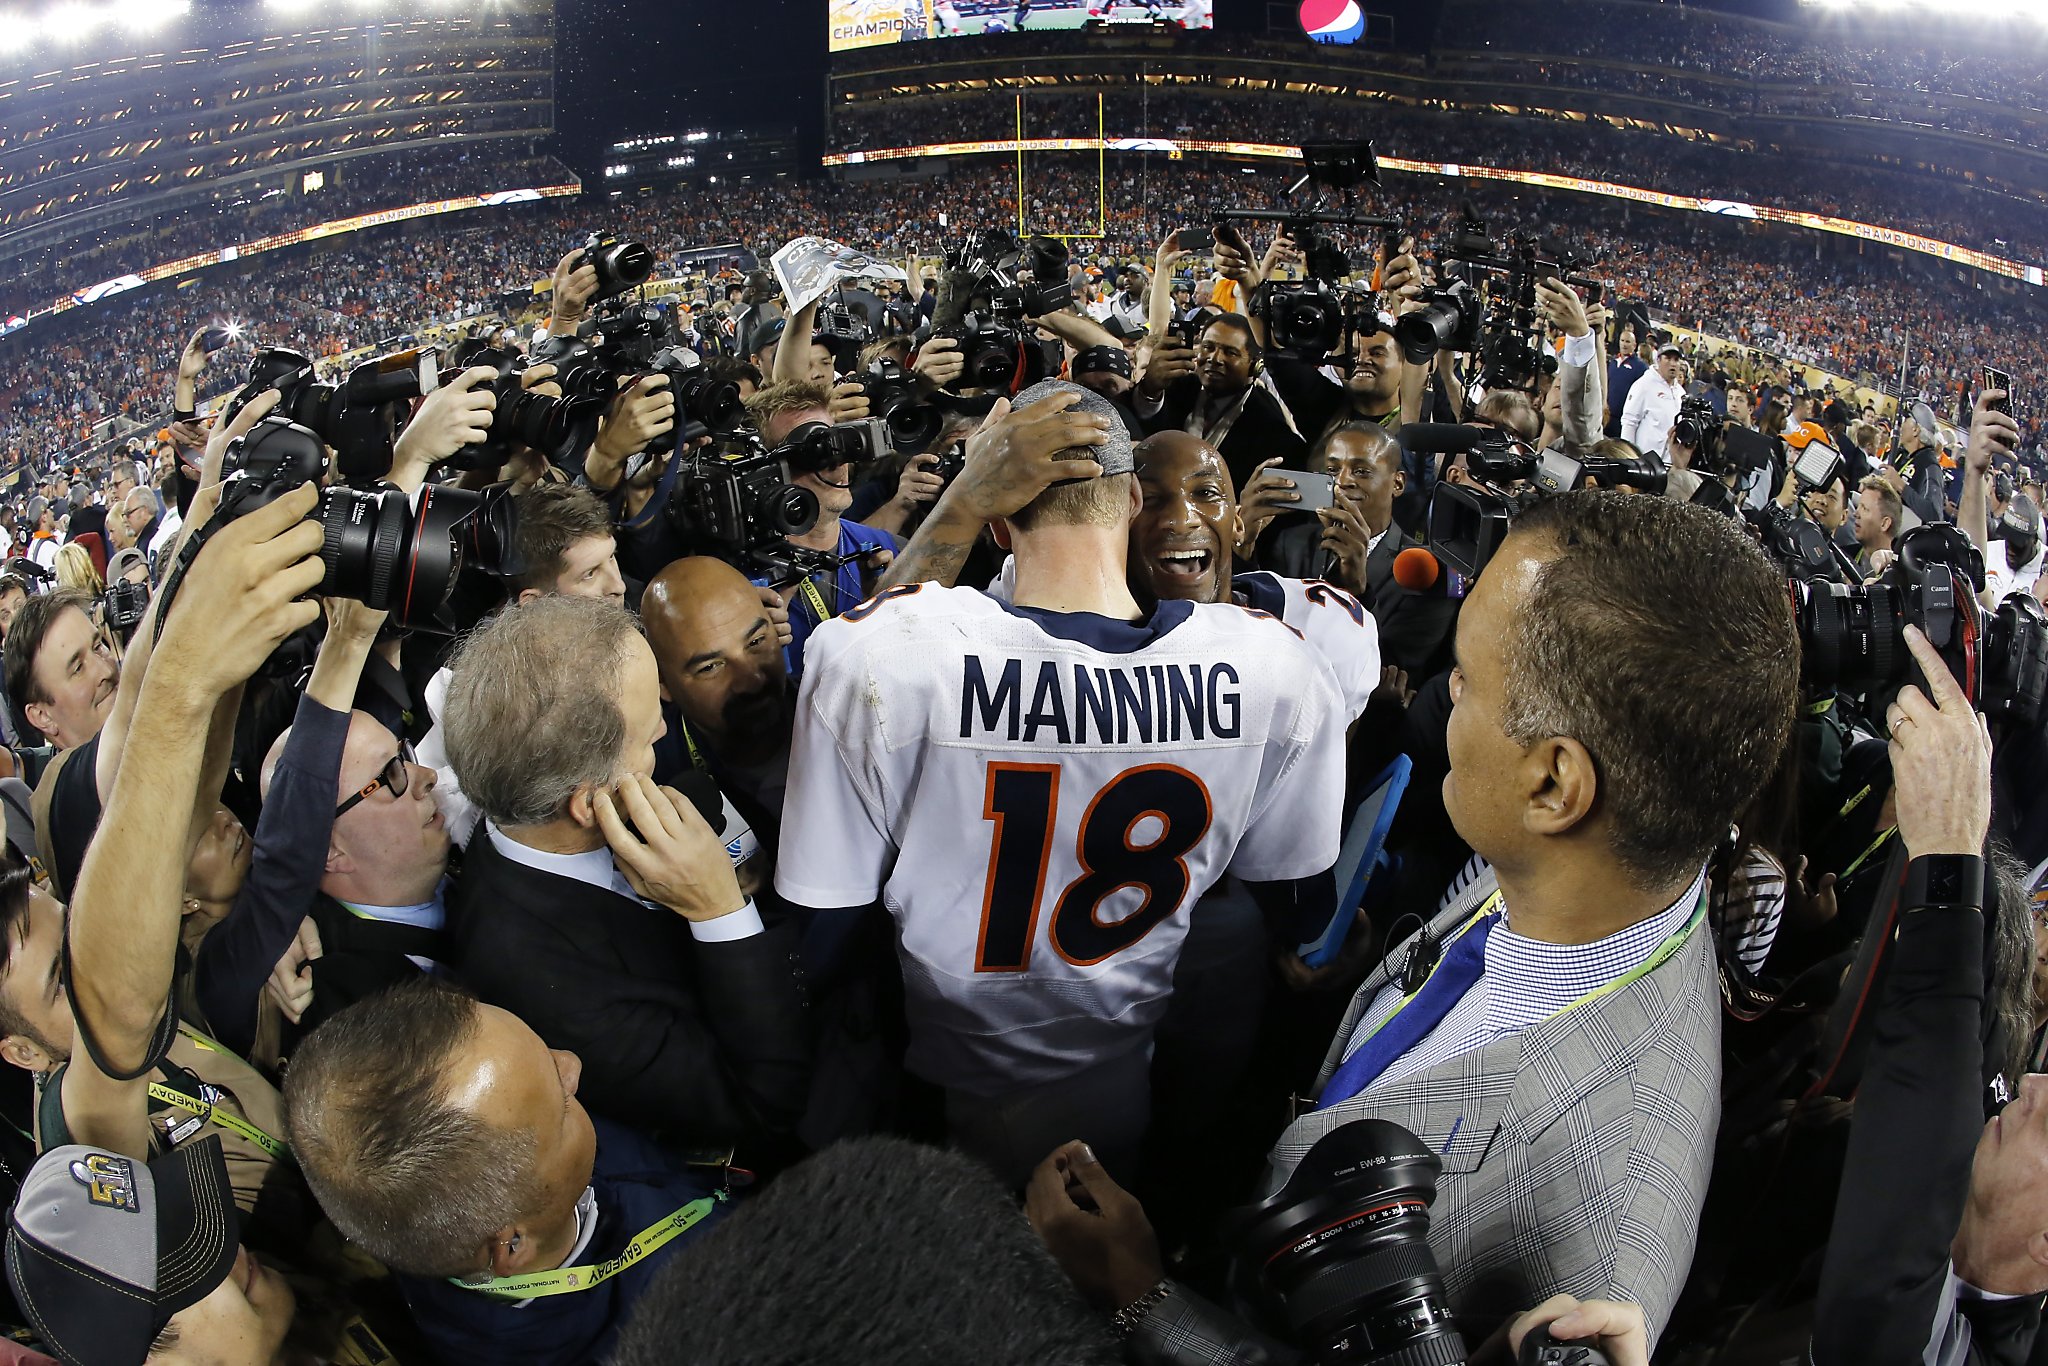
<point x="1653" y="402"/>
<point x="657" y="970"/>
<point x="778" y="411"/>
<point x="1934" y="1255"/>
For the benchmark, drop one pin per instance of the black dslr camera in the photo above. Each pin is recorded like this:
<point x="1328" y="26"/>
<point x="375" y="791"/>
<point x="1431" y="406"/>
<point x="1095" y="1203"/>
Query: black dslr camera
<point x="1698" y="428"/>
<point x="556" y="427"/>
<point x="380" y="548"/>
<point x="358" y="417"/>
<point x="1337" y="1261"/>
<point x="738" y="503"/>
<point x="620" y="266"/>
<point x="1852" y="635"/>
<point x="911" y="408"/>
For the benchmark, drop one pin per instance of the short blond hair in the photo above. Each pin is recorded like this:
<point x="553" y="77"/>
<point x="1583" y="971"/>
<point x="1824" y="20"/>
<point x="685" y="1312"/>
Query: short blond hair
<point x="1103" y="501"/>
<point x="787" y="396"/>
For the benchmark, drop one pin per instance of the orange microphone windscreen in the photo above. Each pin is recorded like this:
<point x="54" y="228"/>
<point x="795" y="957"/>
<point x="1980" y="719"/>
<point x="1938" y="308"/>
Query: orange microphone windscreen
<point x="1416" y="570"/>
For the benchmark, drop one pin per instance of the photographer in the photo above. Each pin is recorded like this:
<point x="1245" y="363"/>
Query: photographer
<point x="779" y="410"/>
<point x="1935" y="1255"/>
<point x="1215" y="390"/>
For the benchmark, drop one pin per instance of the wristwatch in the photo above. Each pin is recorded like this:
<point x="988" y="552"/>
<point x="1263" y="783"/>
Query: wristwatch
<point x="1944" y="880"/>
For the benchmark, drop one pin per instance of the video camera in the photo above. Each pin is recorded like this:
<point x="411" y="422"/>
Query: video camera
<point x="1315" y="319"/>
<point x="359" y="417"/>
<point x="1488" y="304"/>
<point x="1006" y="283"/>
<point x="1467" y="522"/>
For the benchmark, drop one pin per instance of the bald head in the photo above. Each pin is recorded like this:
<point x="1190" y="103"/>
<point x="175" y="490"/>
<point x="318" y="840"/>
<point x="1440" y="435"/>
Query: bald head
<point x="719" y="656"/>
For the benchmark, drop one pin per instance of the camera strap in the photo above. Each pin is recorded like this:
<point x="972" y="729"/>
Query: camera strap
<point x="568" y="1280"/>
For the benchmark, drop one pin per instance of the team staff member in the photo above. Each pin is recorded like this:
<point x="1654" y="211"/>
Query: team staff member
<point x="1653" y="403"/>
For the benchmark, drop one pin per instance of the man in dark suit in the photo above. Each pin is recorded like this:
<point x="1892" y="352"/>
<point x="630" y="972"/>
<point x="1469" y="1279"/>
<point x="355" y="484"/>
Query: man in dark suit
<point x="1214" y="390"/>
<point x="1354" y="544"/>
<point x="600" y="908"/>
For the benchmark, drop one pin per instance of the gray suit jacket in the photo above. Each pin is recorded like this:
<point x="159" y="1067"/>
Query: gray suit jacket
<point x="1575" y="1154"/>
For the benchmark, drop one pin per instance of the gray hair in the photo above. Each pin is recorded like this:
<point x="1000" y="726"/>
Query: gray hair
<point x="146" y="496"/>
<point x="532" y="710"/>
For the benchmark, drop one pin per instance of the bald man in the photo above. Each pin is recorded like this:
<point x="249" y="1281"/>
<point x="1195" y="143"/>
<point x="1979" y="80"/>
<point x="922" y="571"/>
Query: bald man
<point x="723" y="680"/>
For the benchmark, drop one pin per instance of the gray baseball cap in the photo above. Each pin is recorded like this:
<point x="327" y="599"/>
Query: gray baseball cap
<point x="1114" y="455"/>
<point x="103" y="1249"/>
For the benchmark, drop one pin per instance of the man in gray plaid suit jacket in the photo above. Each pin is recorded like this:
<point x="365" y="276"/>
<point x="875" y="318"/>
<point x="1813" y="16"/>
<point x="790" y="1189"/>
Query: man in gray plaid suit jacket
<point x="1627" y="684"/>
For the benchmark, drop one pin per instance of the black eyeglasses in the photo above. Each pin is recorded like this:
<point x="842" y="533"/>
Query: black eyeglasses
<point x="393" y="775"/>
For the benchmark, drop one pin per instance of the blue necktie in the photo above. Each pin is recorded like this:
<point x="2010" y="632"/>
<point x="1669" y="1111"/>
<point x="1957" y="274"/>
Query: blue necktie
<point x="1453" y="977"/>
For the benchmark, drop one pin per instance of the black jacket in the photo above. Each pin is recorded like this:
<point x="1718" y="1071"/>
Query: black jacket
<point x="1259" y="433"/>
<point x="1907" y="1171"/>
<point x="700" y="1044"/>
<point x="1415" y="628"/>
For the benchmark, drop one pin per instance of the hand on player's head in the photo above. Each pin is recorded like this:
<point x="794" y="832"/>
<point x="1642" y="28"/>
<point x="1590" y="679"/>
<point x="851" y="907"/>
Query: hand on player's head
<point x="1015" y="456"/>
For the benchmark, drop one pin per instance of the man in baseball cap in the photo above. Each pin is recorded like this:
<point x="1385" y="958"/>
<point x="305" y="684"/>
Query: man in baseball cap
<point x="109" y="1257"/>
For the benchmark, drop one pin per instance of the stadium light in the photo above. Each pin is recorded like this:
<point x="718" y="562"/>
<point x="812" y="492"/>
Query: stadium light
<point x="1958" y="9"/>
<point x="16" y="32"/>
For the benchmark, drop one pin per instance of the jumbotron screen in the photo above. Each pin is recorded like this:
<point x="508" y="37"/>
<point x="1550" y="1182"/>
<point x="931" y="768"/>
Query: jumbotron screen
<point x="871" y="23"/>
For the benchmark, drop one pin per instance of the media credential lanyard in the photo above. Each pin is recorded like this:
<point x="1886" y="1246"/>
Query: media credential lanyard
<point x="1491" y="906"/>
<point x="568" y="1280"/>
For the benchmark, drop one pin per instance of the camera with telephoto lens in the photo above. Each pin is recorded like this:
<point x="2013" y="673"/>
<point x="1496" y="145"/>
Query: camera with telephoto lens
<point x="1853" y="635"/>
<point x="556" y="427"/>
<point x="1337" y="1261"/>
<point x="994" y="284"/>
<point x="379" y="547"/>
<point x="1509" y="340"/>
<point x="705" y="406"/>
<point x="1467" y="524"/>
<point x="359" y="417"/>
<point x="620" y="266"/>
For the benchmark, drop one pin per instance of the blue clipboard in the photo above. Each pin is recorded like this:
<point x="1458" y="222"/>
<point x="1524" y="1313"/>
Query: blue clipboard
<point x="1362" y="855"/>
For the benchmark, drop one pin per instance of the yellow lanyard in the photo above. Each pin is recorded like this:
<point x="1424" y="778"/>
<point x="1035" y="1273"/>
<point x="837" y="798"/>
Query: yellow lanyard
<point x="1491" y="906"/>
<point x="213" y="1114"/>
<point x="696" y="757"/>
<point x="569" y="1279"/>
<point x="815" y="599"/>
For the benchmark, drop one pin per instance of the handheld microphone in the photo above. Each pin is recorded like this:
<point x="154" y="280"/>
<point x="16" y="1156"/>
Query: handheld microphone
<point x="1416" y="570"/>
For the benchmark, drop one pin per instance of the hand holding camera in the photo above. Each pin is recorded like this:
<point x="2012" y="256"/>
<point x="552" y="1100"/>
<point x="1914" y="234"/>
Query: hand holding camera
<point x="849" y="402"/>
<point x="247" y="590"/>
<point x="575" y="285"/>
<point x="1562" y="307"/>
<point x="1564" y="1331"/>
<point x="456" y="415"/>
<point x="1941" y="761"/>
<point x="1993" y="432"/>
<point x="940" y="361"/>
<point x="919" y="484"/>
<point x="643" y="411"/>
<point x="1171" y="359"/>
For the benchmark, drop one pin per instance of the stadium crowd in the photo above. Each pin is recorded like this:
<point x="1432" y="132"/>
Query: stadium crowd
<point x="1046" y="809"/>
<point x="65" y="378"/>
<point x="1949" y="210"/>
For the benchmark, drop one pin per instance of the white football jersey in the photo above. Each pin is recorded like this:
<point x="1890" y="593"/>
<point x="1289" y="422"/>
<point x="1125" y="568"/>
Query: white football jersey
<point x="1329" y="618"/>
<point x="1040" y="798"/>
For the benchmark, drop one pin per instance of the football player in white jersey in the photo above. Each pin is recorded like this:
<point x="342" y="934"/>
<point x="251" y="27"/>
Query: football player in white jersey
<point x="1120" y="760"/>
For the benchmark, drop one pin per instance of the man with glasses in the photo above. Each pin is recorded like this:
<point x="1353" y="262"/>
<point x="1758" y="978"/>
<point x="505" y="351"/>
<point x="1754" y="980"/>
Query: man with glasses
<point x="1216" y="390"/>
<point x="345" y="892"/>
